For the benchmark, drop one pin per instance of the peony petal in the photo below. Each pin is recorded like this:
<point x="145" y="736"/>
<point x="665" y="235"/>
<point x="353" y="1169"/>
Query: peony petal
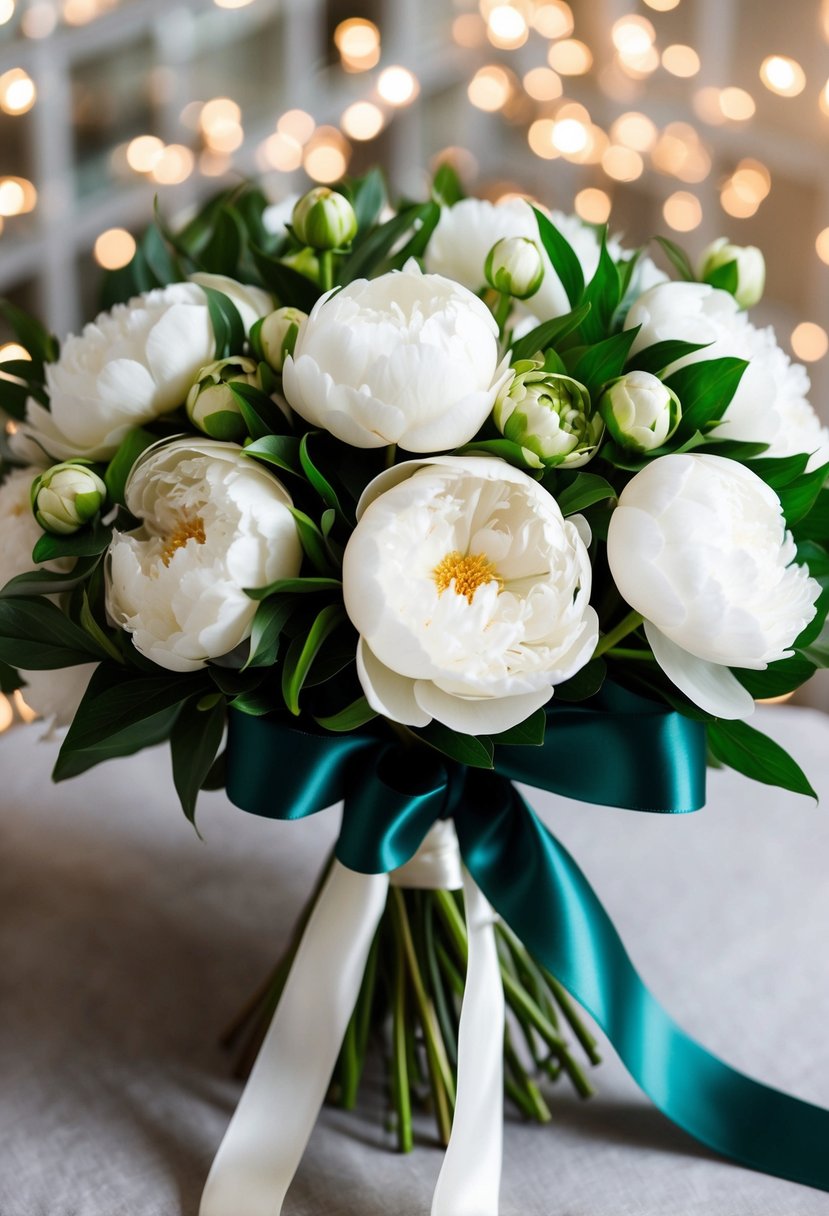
<point x="478" y="715"/>
<point x="386" y="692"/>
<point x="711" y="686"/>
<point x="178" y="345"/>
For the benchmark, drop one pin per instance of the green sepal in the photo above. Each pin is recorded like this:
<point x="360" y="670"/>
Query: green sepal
<point x="446" y="186"/>
<point x="288" y="285"/>
<point x="725" y="277"/>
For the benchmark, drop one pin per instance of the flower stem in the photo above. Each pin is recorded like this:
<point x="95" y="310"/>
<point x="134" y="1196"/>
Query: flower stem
<point x="326" y="262"/>
<point x="619" y="652"/>
<point x="627" y="625"/>
<point x="400" y="1067"/>
<point x="391" y="455"/>
<point x="502" y="311"/>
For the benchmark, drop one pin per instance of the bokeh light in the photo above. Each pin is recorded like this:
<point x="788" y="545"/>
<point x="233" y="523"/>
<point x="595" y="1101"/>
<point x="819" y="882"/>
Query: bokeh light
<point x="634" y="130"/>
<point x="553" y="19"/>
<point x="736" y="104"/>
<point x="822" y="245"/>
<point x="326" y="155"/>
<point x="362" y="120"/>
<point x="783" y="75"/>
<point x="506" y="27"/>
<point x="144" y="152"/>
<point x="810" y="341"/>
<point x="622" y="164"/>
<point x="593" y="205"/>
<point x="542" y="84"/>
<point x="490" y="88"/>
<point x="17" y="196"/>
<point x="6" y="11"/>
<point x="570" y="57"/>
<point x="358" y="42"/>
<point x="680" y="60"/>
<point x="114" y="248"/>
<point x="17" y="92"/>
<point x="174" y="165"/>
<point x="397" y="86"/>
<point x="682" y="211"/>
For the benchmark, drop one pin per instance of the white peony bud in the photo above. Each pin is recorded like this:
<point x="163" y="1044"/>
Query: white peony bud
<point x="549" y="415"/>
<point x="641" y="413"/>
<point x="66" y="497"/>
<point x="750" y="269"/>
<point x="698" y="546"/>
<point x="466" y="614"/>
<point x="514" y="267"/>
<point x="406" y="358"/>
<point x="324" y="219"/>
<point x="211" y="406"/>
<point x="213" y="523"/>
<point x="274" y="337"/>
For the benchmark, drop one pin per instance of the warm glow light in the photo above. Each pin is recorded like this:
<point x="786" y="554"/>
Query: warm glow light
<point x="219" y="111"/>
<point x="682" y="211"/>
<point x="570" y="57"/>
<point x="593" y="205"/>
<point x="362" y="120"/>
<point x="751" y="181"/>
<point x="398" y="86"/>
<point x="823" y="100"/>
<point x="174" y="165"/>
<point x="783" y="75"/>
<point x="17" y="92"/>
<point x="213" y="164"/>
<point x="12" y="351"/>
<point x="822" y="245"/>
<point x="706" y="103"/>
<point x="6" y="713"/>
<point x="736" y="204"/>
<point x="490" y="88"/>
<point x="680" y="60"/>
<point x="632" y="36"/>
<point x="144" y="152"/>
<point x="25" y="712"/>
<point x="737" y="104"/>
<point x="640" y="65"/>
<point x="114" y="248"/>
<point x="327" y="155"/>
<point x="662" y="6"/>
<point x="39" y="19"/>
<point x="635" y="131"/>
<point x="570" y="135"/>
<point x="232" y="3"/>
<point x="542" y="84"/>
<point x="358" y="42"/>
<point x="17" y="196"/>
<point x="469" y="30"/>
<point x="553" y="19"/>
<point x="282" y="152"/>
<point x="680" y="153"/>
<point x="540" y="138"/>
<point x="622" y="164"/>
<point x="810" y="342"/>
<point x="79" y="12"/>
<point x="6" y="11"/>
<point x="298" y="124"/>
<point x="506" y="27"/>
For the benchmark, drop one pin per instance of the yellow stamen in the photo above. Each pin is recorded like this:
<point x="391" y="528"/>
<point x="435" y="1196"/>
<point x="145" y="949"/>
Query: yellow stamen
<point x="186" y="529"/>
<point x="468" y="572"/>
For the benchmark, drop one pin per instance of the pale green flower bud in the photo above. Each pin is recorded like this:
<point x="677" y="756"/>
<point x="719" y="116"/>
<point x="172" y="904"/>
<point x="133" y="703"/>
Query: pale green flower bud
<point x="67" y="496"/>
<point x="514" y="267"/>
<point x="549" y="415"/>
<point x="304" y="262"/>
<point x="274" y="337"/>
<point x="641" y="413"/>
<point x="750" y="270"/>
<point x="211" y="406"/>
<point x="324" y="219"/>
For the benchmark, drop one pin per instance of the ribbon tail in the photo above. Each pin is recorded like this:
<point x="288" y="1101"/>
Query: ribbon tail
<point x="270" y="1129"/>
<point x="470" y="1178"/>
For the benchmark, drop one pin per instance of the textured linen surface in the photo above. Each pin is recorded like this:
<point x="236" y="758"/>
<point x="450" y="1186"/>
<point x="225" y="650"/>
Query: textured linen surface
<point x="126" y="945"/>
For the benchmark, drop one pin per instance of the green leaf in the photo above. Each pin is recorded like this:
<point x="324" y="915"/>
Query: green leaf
<point x="732" y="449"/>
<point x="780" y="471"/>
<point x="303" y="651"/>
<point x="119" y="468"/>
<point x="370" y="252"/>
<point x="352" y="717"/>
<point x="529" y="733"/>
<point x="158" y="257"/>
<point x="223" y="250"/>
<point x="549" y="334"/>
<point x="656" y="358"/>
<point x="294" y="586"/>
<point x="288" y="285"/>
<point x="603" y="292"/>
<point x="13" y="398"/>
<point x="415" y="247"/>
<point x="777" y="679"/>
<point x="816" y="625"/>
<point x="317" y="479"/>
<point x="582" y="492"/>
<point x="48" y="582"/>
<point x="513" y="453"/>
<point x="10" y="679"/>
<point x="89" y="542"/>
<point x="261" y="415"/>
<point x="752" y="753"/>
<point x="194" y="743"/>
<point x="41" y="345"/>
<point x="36" y="636"/>
<point x="228" y="327"/>
<point x="95" y="631"/>
<point x="368" y="197"/>
<point x="584" y="684"/>
<point x="725" y="277"/>
<point x="678" y="259"/>
<point x="799" y="497"/>
<point x="705" y="391"/>
<point x="282" y="451"/>
<point x="604" y="361"/>
<point x="560" y="252"/>
<point x="268" y="624"/>
<point x="446" y="186"/>
<point x="476" y="751"/>
<point x="815" y="525"/>
<point x="313" y="543"/>
<point x="147" y="733"/>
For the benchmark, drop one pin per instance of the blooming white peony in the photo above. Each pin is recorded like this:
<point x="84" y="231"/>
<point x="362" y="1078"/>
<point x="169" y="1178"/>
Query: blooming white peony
<point x="470" y="593"/>
<point x="467" y="231"/>
<point x="53" y="695"/>
<point x="770" y="404"/>
<point x="407" y="358"/>
<point x="698" y="545"/>
<point x="128" y="366"/>
<point x="214" y="523"/>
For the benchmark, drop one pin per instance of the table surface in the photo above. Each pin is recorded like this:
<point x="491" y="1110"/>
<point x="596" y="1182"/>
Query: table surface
<point x="126" y="944"/>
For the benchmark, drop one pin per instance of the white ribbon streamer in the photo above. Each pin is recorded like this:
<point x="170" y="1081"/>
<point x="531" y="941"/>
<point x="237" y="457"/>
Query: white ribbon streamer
<point x="270" y="1129"/>
<point x="273" y="1122"/>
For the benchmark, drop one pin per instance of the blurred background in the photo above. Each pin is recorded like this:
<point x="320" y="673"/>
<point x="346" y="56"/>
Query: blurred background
<point x="693" y="118"/>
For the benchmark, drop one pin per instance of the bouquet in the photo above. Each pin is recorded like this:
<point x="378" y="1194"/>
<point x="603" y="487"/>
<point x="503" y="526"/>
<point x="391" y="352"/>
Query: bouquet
<point x="394" y="506"/>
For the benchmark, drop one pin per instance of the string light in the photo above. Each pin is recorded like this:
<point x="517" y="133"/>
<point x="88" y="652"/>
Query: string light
<point x="622" y="164"/>
<point x="680" y="60"/>
<point x="593" y="205"/>
<point x="822" y="245"/>
<point x="327" y="155"/>
<point x="10" y="351"/>
<point x="736" y="104"/>
<point x="17" y="92"/>
<point x="540" y="138"/>
<point x="633" y="36"/>
<point x="297" y="124"/>
<point x="114" y="248"/>
<point x="782" y="75"/>
<point x="398" y="86"/>
<point x="662" y="6"/>
<point x="553" y="19"/>
<point x="232" y="3"/>
<point x="281" y="152"/>
<point x="6" y="11"/>
<point x="39" y="19"/>
<point x="469" y="30"/>
<point x="362" y="120"/>
<point x="174" y="165"/>
<point x="358" y="42"/>
<point x="570" y="136"/>
<point x="570" y="57"/>
<point x="506" y="27"/>
<point x="490" y="88"/>
<point x="810" y="342"/>
<point x="79" y="12"/>
<point x="634" y="130"/>
<point x="682" y="211"/>
<point x="706" y="103"/>
<point x="17" y="196"/>
<point x="542" y="84"/>
<point x="144" y="152"/>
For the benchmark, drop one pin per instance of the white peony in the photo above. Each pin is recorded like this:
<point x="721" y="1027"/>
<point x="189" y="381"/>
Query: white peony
<point x="53" y="695"/>
<point x="770" y="404"/>
<point x="698" y="546"/>
<point x="749" y="263"/>
<point x="128" y="366"/>
<point x="466" y="232"/>
<point x="213" y="523"/>
<point x="407" y="358"/>
<point x="470" y="593"/>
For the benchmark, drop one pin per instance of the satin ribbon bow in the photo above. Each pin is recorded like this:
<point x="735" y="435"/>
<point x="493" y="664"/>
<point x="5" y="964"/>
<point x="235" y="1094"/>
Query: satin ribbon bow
<point x="621" y="751"/>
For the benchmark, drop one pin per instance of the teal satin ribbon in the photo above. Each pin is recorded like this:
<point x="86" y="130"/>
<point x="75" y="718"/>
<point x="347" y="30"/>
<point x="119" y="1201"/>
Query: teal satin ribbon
<point x="620" y="753"/>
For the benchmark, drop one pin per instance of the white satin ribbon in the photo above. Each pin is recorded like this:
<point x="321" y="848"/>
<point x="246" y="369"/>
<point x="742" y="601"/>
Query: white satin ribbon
<point x="270" y="1129"/>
